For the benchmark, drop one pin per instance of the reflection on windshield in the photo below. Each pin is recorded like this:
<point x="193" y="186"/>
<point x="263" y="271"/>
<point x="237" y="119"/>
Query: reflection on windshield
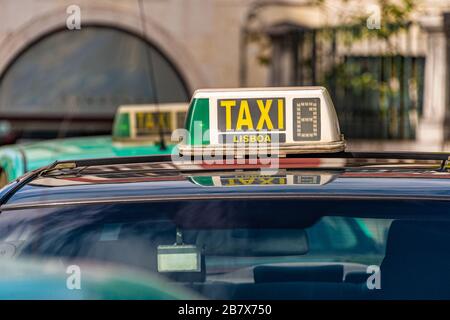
<point x="221" y="249"/>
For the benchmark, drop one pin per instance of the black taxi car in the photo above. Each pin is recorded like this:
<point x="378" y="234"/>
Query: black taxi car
<point x="306" y="220"/>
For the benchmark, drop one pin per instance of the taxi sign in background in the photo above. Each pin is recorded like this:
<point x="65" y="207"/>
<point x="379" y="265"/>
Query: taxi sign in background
<point x="148" y="123"/>
<point x="252" y="120"/>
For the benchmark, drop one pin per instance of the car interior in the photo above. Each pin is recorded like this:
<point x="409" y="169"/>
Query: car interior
<point x="290" y="252"/>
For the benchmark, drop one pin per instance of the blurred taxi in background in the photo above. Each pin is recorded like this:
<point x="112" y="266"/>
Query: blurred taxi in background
<point x="138" y="130"/>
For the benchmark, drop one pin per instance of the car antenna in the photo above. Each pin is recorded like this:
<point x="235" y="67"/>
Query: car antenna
<point x="152" y="78"/>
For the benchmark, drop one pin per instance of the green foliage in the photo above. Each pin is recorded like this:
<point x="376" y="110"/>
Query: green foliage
<point x="348" y="76"/>
<point x="395" y="17"/>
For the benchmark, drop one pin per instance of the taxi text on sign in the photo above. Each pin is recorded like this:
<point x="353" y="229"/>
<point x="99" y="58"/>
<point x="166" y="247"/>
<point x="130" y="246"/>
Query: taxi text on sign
<point x="255" y="117"/>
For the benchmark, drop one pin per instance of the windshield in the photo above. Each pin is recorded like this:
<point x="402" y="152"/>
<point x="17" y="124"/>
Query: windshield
<point x="232" y="249"/>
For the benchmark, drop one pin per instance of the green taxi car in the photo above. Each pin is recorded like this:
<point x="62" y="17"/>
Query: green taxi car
<point x="137" y="131"/>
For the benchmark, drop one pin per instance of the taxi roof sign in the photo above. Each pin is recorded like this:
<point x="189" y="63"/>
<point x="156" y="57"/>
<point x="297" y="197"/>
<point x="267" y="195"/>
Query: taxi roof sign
<point x="295" y="119"/>
<point x="136" y="123"/>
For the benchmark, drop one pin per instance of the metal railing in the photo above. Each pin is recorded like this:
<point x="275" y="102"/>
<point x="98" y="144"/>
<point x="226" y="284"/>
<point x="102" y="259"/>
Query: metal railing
<point x="377" y="92"/>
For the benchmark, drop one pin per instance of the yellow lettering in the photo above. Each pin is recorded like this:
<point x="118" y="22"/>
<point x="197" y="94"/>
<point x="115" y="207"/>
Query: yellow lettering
<point x="230" y="182"/>
<point x="266" y="180"/>
<point x="244" y="117"/>
<point x="247" y="181"/>
<point x="163" y="120"/>
<point x="228" y="104"/>
<point x="280" y="114"/>
<point x="264" y="114"/>
<point x="140" y="120"/>
<point x="149" y="123"/>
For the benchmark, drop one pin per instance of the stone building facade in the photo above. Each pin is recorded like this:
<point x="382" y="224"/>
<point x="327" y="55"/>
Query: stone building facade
<point x="204" y="42"/>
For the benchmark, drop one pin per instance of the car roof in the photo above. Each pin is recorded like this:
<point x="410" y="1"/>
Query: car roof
<point x="156" y="178"/>
<point x="34" y="155"/>
<point x="42" y="153"/>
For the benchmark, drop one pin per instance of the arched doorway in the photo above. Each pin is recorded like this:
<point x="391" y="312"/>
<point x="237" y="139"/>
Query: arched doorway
<point x="71" y="82"/>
